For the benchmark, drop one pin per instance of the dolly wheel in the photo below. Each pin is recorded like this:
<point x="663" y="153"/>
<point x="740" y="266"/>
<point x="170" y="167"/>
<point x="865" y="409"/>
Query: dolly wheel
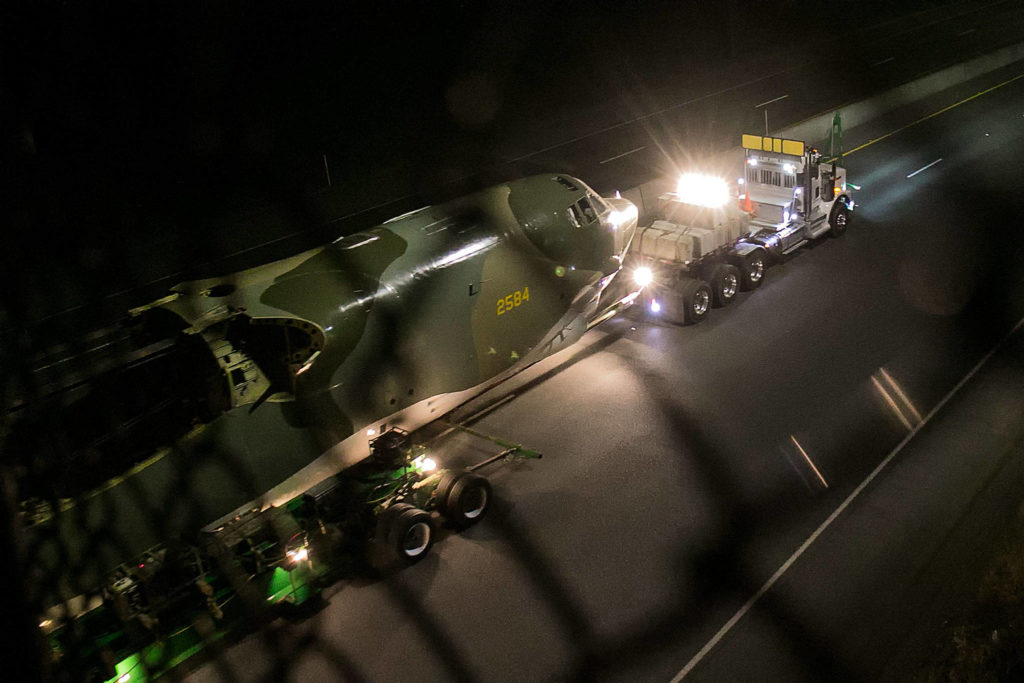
<point x="410" y="533"/>
<point x="466" y="500"/>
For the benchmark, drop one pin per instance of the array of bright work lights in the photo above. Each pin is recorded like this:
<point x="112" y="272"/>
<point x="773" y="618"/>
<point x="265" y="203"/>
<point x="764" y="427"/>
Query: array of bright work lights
<point x="697" y="189"/>
<point x="702" y="190"/>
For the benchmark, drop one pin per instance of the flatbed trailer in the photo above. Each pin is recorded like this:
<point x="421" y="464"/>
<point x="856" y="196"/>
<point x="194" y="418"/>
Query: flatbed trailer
<point x="177" y="599"/>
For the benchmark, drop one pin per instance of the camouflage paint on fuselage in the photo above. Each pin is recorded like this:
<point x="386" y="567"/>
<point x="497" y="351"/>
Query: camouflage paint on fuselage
<point x="429" y="306"/>
<point x="394" y="326"/>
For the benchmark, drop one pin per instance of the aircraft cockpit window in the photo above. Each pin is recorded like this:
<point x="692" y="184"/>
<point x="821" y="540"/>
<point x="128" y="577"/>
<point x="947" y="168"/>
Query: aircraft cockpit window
<point x="590" y="215"/>
<point x="566" y="183"/>
<point x="574" y="216"/>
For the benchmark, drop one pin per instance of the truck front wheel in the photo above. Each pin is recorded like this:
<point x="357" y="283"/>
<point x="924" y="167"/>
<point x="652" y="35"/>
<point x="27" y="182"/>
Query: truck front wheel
<point x="725" y="284"/>
<point x="838" y="220"/>
<point x="752" y="268"/>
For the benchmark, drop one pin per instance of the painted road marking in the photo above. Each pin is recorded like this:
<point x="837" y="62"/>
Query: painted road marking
<point x="619" y="156"/>
<point x="644" y="117"/>
<point x="758" y="106"/>
<point x="924" y="168"/>
<point x="884" y="61"/>
<point x="715" y="639"/>
<point x="934" y="114"/>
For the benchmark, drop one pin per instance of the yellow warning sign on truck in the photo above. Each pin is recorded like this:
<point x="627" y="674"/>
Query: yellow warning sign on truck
<point x="774" y="145"/>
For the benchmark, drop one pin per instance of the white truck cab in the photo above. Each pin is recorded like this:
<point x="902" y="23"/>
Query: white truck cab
<point x="794" y="195"/>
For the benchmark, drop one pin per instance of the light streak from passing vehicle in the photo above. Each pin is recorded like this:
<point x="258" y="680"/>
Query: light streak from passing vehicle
<point x="817" y="472"/>
<point x="816" y="534"/>
<point x="887" y="397"/>
<point x="900" y="393"/>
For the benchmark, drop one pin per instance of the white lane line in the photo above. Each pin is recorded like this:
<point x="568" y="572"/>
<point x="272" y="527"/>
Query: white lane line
<point x="624" y="154"/>
<point x="715" y="639"/>
<point x="652" y="114"/>
<point x="758" y="106"/>
<point x="808" y="459"/>
<point x="924" y="168"/>
<point x="964" y="33"/>
<point x="884" y="61"/>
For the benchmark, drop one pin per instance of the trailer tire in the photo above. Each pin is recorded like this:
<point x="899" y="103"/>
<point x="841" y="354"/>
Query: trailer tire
<point x="410" y="534"/>
<point x="724" y="279"/>
<point x="440" y="496"/>
<point x="467" y="500"/>
<point x="838" y="220"/>
<point x="752" y="267"/>
<point x="696" y="296"/>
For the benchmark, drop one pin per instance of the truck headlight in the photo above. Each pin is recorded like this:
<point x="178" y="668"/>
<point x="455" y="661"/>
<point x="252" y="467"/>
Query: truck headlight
<point x="643" y="276"/>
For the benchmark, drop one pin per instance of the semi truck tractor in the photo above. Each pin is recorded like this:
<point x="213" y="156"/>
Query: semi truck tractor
<point x="706" y="241"/>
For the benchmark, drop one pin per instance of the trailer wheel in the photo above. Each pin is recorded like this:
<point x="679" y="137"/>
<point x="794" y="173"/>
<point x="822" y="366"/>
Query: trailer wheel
<point x="466" y="500"/>
<point x="410" y="534"/>
<point x="696" y="295"/>
<point x="752" y="267"/>
<point x="725" y="284"/>
<point x="440" y="496"/>
<point x="838" y="220"/>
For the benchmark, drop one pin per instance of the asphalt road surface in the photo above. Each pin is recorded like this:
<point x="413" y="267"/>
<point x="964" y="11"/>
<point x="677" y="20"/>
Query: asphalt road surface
<point x="684" y="466"/>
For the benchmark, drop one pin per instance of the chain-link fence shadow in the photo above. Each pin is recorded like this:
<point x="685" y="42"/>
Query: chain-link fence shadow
<point x="116" y="460"/>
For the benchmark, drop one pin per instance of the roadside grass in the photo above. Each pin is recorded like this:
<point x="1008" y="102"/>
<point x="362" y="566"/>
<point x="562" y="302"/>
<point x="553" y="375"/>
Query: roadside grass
<point x="985" y="642"/>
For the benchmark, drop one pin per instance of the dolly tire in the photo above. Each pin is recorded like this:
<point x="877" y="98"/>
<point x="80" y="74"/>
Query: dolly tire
<point x="467" y="500"/>
<point x="410" y="534"/>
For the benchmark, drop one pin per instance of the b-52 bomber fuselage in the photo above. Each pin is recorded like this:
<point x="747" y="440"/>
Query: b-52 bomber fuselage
<point x="280" y="374"/>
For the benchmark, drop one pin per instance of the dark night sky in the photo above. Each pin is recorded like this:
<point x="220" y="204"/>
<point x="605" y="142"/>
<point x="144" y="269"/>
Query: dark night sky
<point x="119" y="99"/>
<point x="123" y="119"/>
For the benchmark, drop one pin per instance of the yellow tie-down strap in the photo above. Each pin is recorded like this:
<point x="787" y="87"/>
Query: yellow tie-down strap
<point x="775" y="145"/>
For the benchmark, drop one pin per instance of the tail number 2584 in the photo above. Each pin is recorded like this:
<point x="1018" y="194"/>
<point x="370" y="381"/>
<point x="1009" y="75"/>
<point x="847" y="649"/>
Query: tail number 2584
<point x="513" y="300"/>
